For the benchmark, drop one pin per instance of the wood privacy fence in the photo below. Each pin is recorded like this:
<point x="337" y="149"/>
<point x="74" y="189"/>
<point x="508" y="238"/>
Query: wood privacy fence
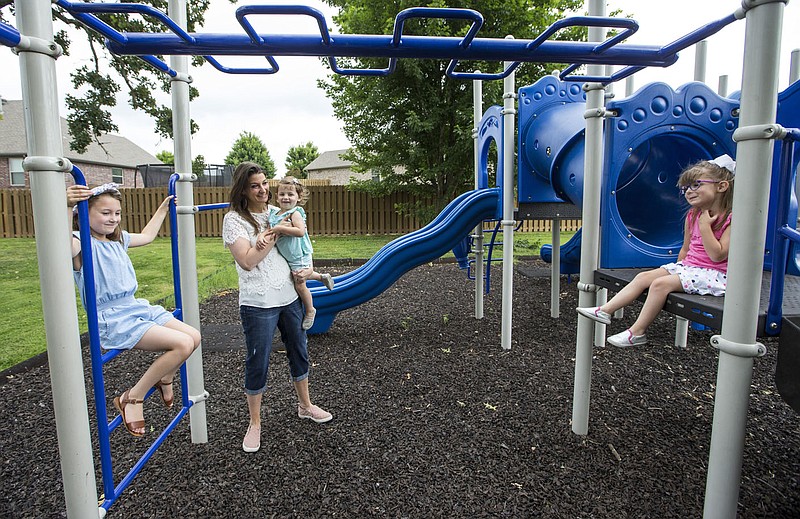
<point x="331" y="210"/>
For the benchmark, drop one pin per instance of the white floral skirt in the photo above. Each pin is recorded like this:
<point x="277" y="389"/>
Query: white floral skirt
<point x="699" y="280"/>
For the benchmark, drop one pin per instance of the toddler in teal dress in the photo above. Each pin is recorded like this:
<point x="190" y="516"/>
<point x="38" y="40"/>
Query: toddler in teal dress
<point x="289" y="224"/>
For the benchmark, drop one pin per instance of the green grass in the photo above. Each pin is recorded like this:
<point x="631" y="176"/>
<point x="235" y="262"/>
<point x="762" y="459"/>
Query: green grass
<point x="22" y="333"/>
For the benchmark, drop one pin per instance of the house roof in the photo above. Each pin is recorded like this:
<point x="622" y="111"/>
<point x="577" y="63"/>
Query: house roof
<point x="329" y="160"/>
<point x="115" y="151"/>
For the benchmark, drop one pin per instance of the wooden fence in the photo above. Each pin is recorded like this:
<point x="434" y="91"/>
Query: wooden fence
<point x="332" y="210"/>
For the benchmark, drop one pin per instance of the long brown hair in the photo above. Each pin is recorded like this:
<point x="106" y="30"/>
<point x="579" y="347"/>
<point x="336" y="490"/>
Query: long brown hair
<point x="240" y="185"/>
<point x="116" y="235"/>
<point x="708" y="170"/>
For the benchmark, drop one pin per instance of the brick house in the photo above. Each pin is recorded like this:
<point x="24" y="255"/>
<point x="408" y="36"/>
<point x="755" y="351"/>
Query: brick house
<point x="114" y="161"/>
<point x="330" y="166"/>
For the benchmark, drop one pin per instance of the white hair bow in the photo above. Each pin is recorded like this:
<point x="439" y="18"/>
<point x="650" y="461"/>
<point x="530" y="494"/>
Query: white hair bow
<point x="724" y="161"/>
<point x="114" y="188"/>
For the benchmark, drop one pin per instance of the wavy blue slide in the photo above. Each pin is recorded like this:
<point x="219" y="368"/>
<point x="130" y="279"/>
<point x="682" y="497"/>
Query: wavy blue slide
<point x="406" y="252"/>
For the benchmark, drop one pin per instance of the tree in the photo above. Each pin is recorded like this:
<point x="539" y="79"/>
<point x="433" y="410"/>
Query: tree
<point x="249" y="148"/>
<point x="414" y="127"/>
<point x="97" y="84"/>
<point x="198" y="166"/>
<point x="298" y="157"/>
<point x="167" y="157"/>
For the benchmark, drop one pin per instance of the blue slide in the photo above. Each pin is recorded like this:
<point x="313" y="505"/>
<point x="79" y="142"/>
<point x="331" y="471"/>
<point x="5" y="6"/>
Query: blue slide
<point x="570" y="254"/>
<point x="404" y="253"/>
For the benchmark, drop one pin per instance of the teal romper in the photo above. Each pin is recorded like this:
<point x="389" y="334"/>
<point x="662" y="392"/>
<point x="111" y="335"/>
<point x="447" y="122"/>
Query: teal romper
<point x="297" y="250"/>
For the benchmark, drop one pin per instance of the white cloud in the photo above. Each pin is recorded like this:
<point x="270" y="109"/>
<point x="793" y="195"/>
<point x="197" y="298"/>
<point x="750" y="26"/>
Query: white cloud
<point x="287" y="108"/>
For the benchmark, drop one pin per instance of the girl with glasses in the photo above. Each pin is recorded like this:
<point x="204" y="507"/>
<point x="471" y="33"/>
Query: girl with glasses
<point x="702" y="261"/>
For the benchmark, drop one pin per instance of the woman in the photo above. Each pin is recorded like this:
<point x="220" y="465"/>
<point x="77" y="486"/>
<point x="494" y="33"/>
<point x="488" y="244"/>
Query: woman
<point x="267" y="299"/>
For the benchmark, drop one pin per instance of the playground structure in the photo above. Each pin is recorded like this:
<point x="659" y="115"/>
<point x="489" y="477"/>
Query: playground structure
<point x="756" y="126"/>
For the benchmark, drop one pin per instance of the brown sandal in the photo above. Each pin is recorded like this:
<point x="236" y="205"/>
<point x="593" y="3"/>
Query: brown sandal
<point x="120" y="402"/>
<point x="160" y="386"/>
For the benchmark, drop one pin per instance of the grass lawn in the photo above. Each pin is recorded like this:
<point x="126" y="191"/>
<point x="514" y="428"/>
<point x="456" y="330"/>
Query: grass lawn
<point x="22" y="333"/>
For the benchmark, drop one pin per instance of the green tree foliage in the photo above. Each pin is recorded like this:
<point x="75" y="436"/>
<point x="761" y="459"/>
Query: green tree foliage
<point x="298" y="157"/>
<point x="198" y="166"/>
<point x="97" y="84"/>
<point x="414" y="127"/>
<point x="248" y="147"/>
<point x="167" y="157"/>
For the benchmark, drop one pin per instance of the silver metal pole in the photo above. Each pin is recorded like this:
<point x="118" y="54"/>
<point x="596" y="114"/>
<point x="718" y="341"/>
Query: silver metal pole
<point x="477" y="114"/>
<point x="43" y="131"/>
<point x="794" y="66"/>
<point x="555" y="269"/>
<point x="593" y="170"/>
<point x="599" y="328"/>
<point x="681" y="332"/>
<point x="722" y="86"/>
<point x="700" y="52"/>
<point x="186" y="240"/>
<point x="509" y="94"/>
<point x="629" y="86"/>
<point x="737" y="342"/>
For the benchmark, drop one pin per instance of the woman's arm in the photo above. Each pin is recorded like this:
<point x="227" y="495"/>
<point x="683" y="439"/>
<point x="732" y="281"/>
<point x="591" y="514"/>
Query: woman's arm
<point x="150" y="230"/>
<point x="248" y="257"/>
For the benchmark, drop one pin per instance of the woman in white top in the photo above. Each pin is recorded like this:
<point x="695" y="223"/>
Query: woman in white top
<point x="267" y="299"/>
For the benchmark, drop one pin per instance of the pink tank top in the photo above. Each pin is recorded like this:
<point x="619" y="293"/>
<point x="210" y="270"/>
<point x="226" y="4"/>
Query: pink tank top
<point x="697" y="255"/>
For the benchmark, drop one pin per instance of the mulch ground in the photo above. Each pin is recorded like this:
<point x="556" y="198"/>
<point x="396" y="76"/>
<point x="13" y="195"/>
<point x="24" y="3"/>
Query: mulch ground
<point x="431" y="419"/>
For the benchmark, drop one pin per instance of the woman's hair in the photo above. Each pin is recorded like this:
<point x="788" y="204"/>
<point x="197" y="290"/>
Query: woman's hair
<point x="240" y="185"/>
<point x="113" y="193"/>
<point x="302" y="192"/>
<point x="708" y="170"/>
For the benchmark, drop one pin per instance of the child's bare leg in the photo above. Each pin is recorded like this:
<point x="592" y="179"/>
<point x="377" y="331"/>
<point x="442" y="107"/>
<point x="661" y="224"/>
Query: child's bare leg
<point x="305" y="295"/>
<point x="656" y="297"/>
<point x="634" y="289"/>
<point x="177" y="340"/>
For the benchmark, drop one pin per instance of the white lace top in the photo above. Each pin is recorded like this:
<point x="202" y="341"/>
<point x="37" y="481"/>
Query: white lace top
<point x="269" y="284"/>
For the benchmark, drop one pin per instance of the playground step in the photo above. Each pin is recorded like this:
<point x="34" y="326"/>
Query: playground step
<point x="787" y="370"/>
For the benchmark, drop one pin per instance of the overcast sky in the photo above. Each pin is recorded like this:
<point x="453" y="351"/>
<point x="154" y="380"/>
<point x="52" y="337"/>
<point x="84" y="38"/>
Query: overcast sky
<point x="287" y="108"/>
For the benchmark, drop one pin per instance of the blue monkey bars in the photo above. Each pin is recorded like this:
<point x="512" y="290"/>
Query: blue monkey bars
<point x="397" y="45"/>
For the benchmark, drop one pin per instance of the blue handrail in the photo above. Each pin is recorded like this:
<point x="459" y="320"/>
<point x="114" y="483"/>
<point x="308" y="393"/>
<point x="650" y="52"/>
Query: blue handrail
<point x="784" y="235"/>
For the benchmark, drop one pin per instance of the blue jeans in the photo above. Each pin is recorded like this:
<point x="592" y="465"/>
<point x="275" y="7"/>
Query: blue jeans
<point x="259" y="326"/>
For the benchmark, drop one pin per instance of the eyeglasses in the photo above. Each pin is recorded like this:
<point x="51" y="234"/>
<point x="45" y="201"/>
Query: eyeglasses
<point x="696" y="185"/>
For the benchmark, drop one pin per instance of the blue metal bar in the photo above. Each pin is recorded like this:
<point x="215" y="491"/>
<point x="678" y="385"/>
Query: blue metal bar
<point x="211" y="207"/>
<point x="669" y="50"/>
<point x="9" y="36"/>
<point x="432" y="12"/>
<point x="240" y="70"/>
<point x="83" y="13"/>
<point x="90" y="305"/>
<point x="243" y="12"/>
<point x="173" y="231"/>
<point x="377" y="46"/>
<point x="116" y="492"/>
<point x="145" y="10"/>
<point x="781" y="247"/>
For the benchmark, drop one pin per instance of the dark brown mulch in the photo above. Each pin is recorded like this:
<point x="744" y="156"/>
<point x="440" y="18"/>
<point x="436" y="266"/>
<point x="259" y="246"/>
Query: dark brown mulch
<point x="432" y="419"/>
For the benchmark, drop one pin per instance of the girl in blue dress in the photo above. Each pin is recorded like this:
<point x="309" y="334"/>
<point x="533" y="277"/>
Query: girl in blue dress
<point x="289" y="224"/>
<point x="125" y="322"/>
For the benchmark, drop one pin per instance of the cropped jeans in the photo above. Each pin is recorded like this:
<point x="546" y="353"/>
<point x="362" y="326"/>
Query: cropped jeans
<point x="259" y="326"/>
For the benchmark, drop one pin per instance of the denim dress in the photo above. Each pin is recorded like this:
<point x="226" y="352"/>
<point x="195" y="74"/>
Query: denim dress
<point x="122" y="319"/>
